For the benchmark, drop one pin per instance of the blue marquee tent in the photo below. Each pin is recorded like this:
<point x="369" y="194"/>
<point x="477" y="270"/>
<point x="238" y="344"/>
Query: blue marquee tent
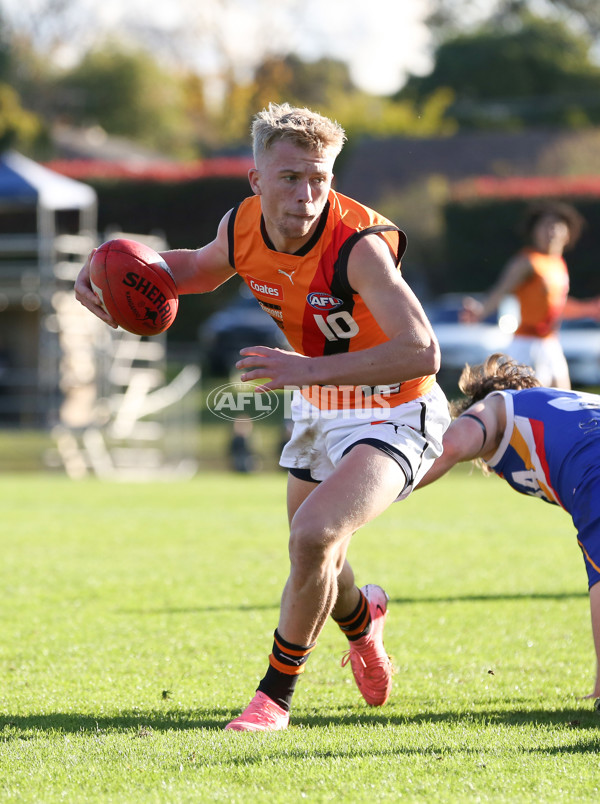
<point x="41" y="251"/>
<point x="24" y="182"/>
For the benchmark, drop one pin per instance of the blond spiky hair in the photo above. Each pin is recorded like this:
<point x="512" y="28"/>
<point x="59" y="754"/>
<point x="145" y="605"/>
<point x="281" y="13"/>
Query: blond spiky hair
<point x="300" y="126"/>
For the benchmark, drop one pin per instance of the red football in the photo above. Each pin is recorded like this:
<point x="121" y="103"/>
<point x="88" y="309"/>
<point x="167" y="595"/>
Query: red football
<point x="135" y="286"/>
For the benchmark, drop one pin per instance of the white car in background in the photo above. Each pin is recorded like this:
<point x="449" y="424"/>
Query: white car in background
<point x="473" y="343"/>
<point x="580" y="341"/>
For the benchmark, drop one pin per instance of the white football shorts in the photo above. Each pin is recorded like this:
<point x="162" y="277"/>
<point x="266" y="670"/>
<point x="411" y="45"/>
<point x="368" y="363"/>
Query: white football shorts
<point x="411" y="434"/>
<point x="544" y="355"/>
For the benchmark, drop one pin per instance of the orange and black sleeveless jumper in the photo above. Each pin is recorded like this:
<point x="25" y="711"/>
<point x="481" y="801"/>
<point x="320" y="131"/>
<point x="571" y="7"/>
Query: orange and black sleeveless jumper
<point x="543" y="295"/>
<point x="308" y="293"/>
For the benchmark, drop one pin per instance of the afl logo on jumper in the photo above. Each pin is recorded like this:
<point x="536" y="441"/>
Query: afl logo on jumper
<point x="268" y="289"/>
<point x="323" y="301"/>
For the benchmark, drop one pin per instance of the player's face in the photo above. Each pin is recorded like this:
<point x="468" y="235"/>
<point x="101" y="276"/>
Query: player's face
<point x="293" y="184"/>
<point x="551" y="234"/>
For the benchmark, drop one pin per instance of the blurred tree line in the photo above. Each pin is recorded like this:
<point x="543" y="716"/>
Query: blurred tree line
<point x="509" y="71"/>
<point x="516" y="69"/>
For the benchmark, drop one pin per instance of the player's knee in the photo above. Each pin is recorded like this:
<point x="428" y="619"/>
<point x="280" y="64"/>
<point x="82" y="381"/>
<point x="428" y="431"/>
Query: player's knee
<point x="310" y="543"/>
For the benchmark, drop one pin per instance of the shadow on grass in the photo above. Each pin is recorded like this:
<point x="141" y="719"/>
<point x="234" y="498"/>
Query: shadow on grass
<point x="572" y="718"/>
<point x="142" y="724"/>
<point x="197" y="609"/>
<point x="475" y="598"/>
<point x="493" y="597"/>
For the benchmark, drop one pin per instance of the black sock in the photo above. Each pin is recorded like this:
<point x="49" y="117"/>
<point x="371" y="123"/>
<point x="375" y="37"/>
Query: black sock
<point x="358" y="623"/>
<point x="286" y="664"/>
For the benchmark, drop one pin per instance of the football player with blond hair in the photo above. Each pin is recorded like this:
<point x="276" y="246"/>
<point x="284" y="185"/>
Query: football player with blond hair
<point x="368" y="414"/>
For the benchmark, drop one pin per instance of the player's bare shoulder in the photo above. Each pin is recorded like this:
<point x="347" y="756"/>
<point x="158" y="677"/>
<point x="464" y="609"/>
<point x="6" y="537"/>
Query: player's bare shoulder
<point x="518" y="269"/>
<point x="210" y="265"/>
<point x="371" y="261"/>
<point x="218" y="249"/>
<point x="492" y="411"/>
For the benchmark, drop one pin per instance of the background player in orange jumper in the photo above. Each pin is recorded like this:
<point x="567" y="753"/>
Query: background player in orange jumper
<point x="371" y="417"/>
<point x="538" y="276"/>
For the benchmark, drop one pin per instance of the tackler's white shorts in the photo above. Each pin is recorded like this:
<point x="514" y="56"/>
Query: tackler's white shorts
<point x="411" y="434"/>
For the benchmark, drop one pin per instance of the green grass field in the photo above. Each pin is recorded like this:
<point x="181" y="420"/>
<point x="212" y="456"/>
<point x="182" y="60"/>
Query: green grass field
<point x="137" y="620"/>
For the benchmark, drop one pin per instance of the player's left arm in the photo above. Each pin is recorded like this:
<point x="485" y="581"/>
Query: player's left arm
<point x="412" y="350"/>
<point x="582" y="308"/>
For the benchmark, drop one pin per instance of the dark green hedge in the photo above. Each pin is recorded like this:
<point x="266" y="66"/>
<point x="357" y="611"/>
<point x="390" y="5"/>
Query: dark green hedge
<point x="482" y="235"/>
<point x="187" y="212"/>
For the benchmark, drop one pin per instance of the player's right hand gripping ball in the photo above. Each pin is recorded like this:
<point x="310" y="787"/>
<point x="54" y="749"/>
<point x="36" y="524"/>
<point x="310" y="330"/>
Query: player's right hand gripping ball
<point x="135" y="286"/>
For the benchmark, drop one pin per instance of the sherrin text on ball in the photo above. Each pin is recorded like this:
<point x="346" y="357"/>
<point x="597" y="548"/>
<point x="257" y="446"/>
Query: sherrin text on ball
<point x="135" y="286"/>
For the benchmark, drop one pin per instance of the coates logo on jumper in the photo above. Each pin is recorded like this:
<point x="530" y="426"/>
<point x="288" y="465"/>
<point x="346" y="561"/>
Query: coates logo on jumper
<point x="238" y="399"/>
<point x="268" y="289"/>
<point x="323" y="301"/>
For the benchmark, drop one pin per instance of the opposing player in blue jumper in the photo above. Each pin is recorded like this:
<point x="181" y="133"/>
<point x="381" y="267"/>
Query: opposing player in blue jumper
<point x="544" y="442"/>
